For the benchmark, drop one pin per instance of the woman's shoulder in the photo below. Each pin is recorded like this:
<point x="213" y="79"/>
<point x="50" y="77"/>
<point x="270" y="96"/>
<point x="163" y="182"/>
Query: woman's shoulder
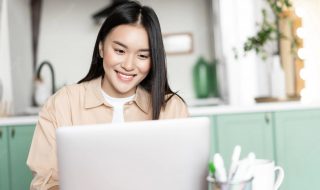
<point x="66" y="94"/>
<point x="69" y="90"/>
<point x="77" y="93"/>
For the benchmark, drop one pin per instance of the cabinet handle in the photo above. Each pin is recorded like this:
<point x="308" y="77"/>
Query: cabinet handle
<point x="0" y="133"/>
<point x="266" y="118"/>
<point x="13" y="133"/>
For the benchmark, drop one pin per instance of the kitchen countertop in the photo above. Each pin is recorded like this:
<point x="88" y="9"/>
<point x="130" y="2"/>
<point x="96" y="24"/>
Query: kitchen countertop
<point x="261" y="107"/>
<point x="18" y="120"/>
<point x="195" y="111"/>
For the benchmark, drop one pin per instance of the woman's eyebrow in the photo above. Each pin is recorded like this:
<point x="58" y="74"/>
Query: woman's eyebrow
<point x="144" y="50"/>
<point x="123" y="45"/>
<point x="120" y="44"/>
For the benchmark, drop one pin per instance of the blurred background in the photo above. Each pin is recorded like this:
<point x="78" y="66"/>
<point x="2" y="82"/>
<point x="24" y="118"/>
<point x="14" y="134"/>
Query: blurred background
<point x="63" y="32"/>
<point x="251" y="66"/>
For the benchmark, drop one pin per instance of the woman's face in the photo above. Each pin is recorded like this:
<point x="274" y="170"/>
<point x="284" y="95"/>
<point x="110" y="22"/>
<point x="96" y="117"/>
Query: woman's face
<point x="126" y="59"/>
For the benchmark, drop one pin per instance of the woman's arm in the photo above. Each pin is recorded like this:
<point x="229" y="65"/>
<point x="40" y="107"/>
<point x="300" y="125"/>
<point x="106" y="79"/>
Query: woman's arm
<point x="42" y="159"/>
<point x="42" y="155"/>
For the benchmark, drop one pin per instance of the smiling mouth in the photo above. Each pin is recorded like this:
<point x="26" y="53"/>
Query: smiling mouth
<point x="125" y="77"/>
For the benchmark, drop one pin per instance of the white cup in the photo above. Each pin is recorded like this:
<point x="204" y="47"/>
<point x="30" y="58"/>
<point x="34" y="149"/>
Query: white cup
<point x="264" y="172"/>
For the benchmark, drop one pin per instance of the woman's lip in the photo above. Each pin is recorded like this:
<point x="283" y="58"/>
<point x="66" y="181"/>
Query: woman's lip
<point x="127" y="74"/>
<point x="125" y="77"/>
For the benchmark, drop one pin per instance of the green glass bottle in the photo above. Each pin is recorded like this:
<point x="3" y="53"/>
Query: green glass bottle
<point x="201" y="78"/>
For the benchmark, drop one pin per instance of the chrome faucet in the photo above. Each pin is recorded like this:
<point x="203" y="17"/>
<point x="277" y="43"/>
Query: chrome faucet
<point x="38" y="77"/>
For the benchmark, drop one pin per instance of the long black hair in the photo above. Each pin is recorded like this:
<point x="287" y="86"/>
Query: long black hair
<point x="156" y="82"/>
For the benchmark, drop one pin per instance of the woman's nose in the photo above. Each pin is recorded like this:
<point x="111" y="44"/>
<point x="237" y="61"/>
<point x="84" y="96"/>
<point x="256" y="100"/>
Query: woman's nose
<point x="128" y="63"/>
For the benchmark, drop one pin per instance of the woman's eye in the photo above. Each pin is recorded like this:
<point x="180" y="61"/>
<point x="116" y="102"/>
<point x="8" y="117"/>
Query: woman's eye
<point x="119" y="51"/>
<point x="141" y="56"/>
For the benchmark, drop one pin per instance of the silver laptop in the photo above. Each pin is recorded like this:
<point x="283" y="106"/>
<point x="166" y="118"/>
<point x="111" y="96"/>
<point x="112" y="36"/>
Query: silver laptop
<point x="148" y="155"/>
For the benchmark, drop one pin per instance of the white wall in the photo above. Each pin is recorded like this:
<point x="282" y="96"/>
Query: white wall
<point x="238" y="20"/>
<point x="5" y="71"/>
<point x="16" y="54"/>
<point x="68" y="33"/>
<point x="67" y="37"/>
<point x="21" y="53"/>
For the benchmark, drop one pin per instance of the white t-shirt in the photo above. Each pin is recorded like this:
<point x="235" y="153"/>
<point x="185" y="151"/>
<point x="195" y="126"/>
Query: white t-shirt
<point x="117" y="104"/>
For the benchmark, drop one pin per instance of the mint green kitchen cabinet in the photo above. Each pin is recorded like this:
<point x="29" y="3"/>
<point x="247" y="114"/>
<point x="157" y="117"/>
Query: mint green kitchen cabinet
<point x="14" y="147"/>
<point x="4" y="159"/>
<point x="213" y="135"/>
<point x="252" y="131"/>
<point x="20" y="138"/>
<point x="298" y="148"/>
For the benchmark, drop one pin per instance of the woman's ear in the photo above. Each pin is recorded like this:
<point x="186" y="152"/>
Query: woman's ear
<point x="100" y="50"/>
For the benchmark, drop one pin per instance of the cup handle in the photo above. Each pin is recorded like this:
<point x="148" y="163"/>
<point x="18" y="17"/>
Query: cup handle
<point x="279" y="177"/>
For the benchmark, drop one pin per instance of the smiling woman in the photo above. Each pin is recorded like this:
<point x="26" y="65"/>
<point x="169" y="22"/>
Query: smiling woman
<point x="127" y="81"/>
<point x="126" y="59"/>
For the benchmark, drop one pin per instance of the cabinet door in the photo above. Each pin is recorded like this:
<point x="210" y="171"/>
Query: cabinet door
<point x="252" y="131"/>
<point x="213" y="136"/>
<point x="298" y="148"/>
<point x="4" y="166"/>
<point x="19" y="143"/>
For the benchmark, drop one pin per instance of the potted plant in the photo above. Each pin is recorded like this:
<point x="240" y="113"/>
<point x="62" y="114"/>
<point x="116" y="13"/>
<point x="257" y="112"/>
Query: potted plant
<point x="271" y="30"/>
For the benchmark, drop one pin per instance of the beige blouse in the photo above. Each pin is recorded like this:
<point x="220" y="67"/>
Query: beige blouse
<point x="81" y="104"/>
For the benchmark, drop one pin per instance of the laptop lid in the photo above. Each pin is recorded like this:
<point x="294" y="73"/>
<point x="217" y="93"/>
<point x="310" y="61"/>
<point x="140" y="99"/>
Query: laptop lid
<point x="148" y="155"/>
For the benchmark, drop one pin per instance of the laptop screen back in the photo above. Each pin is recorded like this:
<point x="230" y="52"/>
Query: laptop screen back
<point x="148" y="155"/>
